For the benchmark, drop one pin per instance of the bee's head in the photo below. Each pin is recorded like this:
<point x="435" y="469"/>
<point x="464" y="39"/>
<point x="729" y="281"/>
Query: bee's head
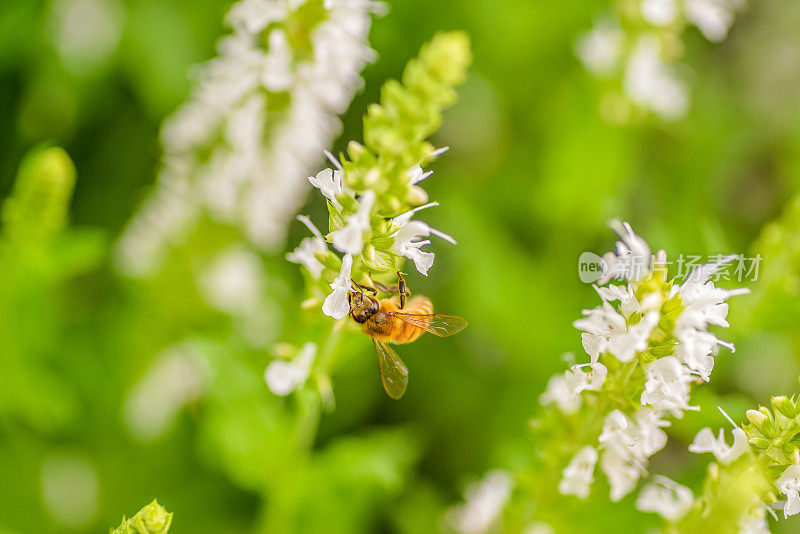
<point x="362" y="306"/>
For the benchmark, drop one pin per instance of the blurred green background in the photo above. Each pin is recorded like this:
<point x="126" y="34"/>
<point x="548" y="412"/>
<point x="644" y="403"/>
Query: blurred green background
<point x="532" y="178"/>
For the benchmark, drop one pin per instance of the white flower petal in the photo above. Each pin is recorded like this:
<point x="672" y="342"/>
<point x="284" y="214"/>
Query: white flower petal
<point x="350" y="238"/>
<point x="724" y="453"/>
<point x="408" y="242"/>
<point x="577" y="477"/>
<point x="559" y="393"/>
<point x="789" y="485"/>
<point x="329" y="183"/>
<point x="578" y="380"/>
<point x="666" y="498"/>
<point x="667" y="385"/>
<point x="283" y="377"/>
<point x="337" y="304"/>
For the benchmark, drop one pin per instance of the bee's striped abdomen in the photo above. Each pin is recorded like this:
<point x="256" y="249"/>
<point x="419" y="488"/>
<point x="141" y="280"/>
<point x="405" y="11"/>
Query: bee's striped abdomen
<point x="418" y="306"/>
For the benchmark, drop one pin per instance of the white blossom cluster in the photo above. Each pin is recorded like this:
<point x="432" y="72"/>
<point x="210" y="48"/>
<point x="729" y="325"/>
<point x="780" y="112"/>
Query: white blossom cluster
<point x="406" y="236"/>
<point x="259" y="117"/>
<point x="658" y="334"/>
<point x="644" y="59"/>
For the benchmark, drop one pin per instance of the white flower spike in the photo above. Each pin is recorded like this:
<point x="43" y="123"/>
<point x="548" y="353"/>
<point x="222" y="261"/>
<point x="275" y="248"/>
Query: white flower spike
<point x="337" y="304"/>
<point x="253" y="176"/>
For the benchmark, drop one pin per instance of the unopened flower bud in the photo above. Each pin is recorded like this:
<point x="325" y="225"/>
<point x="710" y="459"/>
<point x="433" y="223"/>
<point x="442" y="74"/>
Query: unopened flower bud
<point x="759" y="442"/>
<point x="783" y="405"/>
<point x="755" y="417"/>
<point x="153" y="519"/>
<point x="355" y="149"/>
<point x="416" y="196"/>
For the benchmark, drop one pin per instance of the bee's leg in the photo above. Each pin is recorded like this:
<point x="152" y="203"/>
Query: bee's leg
<point x="364" y="288"/>
<point x="399" y="288"/>
<point x="402" y="289"/>
<point x="350" y="303"/>
<point x="383" y="288"/>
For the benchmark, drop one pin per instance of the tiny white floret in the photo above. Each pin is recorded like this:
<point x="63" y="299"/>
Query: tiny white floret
<point x="337" y="304"/>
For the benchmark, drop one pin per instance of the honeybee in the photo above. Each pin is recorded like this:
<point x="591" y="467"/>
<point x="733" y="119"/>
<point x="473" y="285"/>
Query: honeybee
<point x="392" y="320"/>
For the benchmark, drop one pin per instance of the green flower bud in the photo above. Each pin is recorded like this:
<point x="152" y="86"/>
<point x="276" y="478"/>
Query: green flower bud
<point x="784" y="406"/>
<point x="755" y="417"/>
<point x="416" y="196"/>
<point x="776" y="455"/>
<point x="759" y="443"/>
<point x="152" y="519"/>
<point x="355" y="149"/>
<point x="662" y="350"/>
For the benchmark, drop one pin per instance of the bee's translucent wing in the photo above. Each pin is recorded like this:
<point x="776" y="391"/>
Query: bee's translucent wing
<point x="394" y="373"/>
<point x="438" y="324"/>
